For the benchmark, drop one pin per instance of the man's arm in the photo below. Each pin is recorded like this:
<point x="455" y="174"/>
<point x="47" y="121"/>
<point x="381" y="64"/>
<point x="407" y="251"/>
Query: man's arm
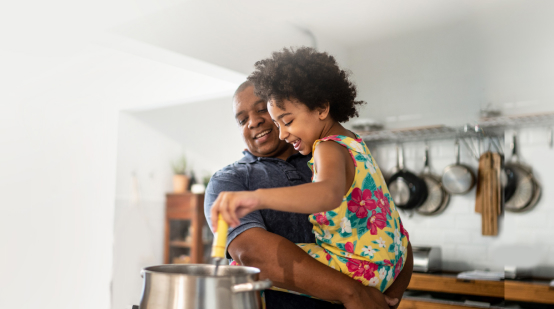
<point x="289" y="267"/>
<point x="398" y="287"/>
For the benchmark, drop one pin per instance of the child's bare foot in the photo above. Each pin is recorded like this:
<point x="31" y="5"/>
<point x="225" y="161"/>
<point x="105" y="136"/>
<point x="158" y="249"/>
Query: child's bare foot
<point x="391" y="301"/>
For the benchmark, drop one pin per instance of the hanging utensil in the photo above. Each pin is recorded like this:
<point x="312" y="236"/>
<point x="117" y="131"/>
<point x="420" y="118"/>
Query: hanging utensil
<point x="407" y="190"/>
<point x="437" y="197"/>
<point x="458" y="178"/>
<point x="527" y="192"/>
<point x="488" y="195"/>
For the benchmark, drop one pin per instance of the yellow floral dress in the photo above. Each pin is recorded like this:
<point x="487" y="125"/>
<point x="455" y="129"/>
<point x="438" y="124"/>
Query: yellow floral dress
<point x="363" y="237"/>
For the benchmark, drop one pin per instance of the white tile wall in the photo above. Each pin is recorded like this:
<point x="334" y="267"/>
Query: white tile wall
<point x="458" y="229"/>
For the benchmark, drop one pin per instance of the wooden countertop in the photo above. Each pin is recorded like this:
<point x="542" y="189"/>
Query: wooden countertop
<point x="526" y="291"/>
<point x="450" y="284"/>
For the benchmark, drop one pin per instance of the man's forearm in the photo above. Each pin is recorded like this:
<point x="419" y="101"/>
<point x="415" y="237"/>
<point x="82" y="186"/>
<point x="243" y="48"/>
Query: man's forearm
<point x="397" y="289"/>
<point x="289" y="267"/>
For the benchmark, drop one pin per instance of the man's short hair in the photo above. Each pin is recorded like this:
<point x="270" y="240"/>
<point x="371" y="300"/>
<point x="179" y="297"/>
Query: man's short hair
<point x="243" y="86"/>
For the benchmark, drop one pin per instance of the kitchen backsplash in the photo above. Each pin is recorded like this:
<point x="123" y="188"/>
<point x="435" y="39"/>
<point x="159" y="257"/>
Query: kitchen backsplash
<point x="529" y="236"/>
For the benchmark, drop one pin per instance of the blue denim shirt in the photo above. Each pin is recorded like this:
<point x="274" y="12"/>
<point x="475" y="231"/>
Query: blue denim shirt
<point x="251" y="173"/>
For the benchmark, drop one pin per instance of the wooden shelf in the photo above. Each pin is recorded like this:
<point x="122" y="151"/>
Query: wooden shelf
<point x="537" y="292"/>
<point x="530" y="291"/>
<point x="450" y="284"/>
<point x="421" y="304"/>
<point x="186" y="207"/>
<point x="185" y="244"/>
<point x="180" y="244"/>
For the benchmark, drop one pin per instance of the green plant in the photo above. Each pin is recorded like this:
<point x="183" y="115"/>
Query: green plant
<point x="206" y="180"/>
<point x="179" y="166"/>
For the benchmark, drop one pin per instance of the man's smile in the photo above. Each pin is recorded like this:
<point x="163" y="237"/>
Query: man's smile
<point x="262" y="136"/>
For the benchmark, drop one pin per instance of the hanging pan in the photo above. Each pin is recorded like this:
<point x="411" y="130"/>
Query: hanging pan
<point x="407" y="190"/>
<point x="527" y="190"/>
<point x="437" y="197"/>
<point x="458" y="178"/>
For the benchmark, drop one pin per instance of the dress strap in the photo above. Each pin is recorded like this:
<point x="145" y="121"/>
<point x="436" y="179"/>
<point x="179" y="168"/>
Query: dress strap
<point x="353" y="145"/>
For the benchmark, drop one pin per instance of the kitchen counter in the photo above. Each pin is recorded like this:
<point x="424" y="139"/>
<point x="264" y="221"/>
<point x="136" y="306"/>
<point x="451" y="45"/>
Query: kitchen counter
<point x="446" y="291"/>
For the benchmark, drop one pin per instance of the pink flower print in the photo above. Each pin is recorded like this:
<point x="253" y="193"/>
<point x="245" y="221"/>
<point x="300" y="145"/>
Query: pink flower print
<point x="376" y="221"/>
<point x="328" y="256"/>
<point x="321" y="219"/>
<point x="387" y="262"/>
<point x="349" y="247"/>
<point x="403" y="231"/>
<point x="397" y="268"/>
<point x="382" y="201"/>
<point x="361" y="202"/>
<point x="360" y="268"/>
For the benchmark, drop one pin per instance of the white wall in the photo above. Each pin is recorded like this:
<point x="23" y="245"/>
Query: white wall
<point x="58" y="137"/>
<point x="207" y="130"/>
<point x="144" y="176"/>
<point x="444" y="76"/>
<point x="421" y="78"/>
<point x="458" y="229"/>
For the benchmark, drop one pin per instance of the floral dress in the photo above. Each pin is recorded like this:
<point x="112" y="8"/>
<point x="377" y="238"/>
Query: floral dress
<point x="363" y="237"/>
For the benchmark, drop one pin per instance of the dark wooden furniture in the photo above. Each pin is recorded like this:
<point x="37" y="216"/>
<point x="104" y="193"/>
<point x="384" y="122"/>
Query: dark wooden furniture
<point x="186" y="232"/>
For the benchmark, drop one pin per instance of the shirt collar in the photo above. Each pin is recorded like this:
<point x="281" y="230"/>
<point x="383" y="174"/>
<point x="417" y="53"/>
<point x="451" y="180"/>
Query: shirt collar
<point x="250" y="158"/>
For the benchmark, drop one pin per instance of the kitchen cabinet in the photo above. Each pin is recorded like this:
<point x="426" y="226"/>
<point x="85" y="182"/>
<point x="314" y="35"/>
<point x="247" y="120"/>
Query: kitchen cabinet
<point x="187" y="237"/>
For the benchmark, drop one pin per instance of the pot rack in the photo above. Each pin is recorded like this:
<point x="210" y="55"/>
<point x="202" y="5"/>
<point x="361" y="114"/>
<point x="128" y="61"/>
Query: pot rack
<point x="473" y="136"/>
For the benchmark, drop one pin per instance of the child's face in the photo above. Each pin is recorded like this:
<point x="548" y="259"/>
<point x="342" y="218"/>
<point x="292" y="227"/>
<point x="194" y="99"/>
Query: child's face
<point x="297" y="124"/>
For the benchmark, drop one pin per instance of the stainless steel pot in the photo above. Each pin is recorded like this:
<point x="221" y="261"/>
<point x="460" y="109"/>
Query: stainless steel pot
<point x="194" y="286"/>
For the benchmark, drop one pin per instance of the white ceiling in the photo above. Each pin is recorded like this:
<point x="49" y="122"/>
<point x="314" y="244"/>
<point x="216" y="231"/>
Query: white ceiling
<point x="217" y="39"/>
<point x="354" y="22"/>
<point x="236" y="33"/>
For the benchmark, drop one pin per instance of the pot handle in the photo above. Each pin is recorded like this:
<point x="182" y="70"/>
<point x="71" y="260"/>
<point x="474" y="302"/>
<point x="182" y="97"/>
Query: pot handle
<point x="252" y="286"/>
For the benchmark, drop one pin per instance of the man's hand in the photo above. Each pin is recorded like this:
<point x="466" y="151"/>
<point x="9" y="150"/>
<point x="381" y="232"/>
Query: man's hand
<point x="234" y="205"/>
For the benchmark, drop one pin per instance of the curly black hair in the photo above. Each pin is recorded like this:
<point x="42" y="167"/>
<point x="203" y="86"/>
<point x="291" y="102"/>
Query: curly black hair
<point x="313" y="78"/>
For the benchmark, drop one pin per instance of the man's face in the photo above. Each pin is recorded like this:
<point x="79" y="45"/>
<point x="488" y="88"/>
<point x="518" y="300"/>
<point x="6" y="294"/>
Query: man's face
<point x="258" y="130"/>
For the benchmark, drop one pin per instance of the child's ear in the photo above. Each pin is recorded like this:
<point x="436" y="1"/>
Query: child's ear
<point x="323" y="112"/>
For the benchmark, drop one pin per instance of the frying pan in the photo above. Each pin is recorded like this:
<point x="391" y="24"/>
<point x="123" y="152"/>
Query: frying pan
<point x="458" y="178"/>
<point x="407" y="190"/>
<point x="437" y="198"/>
<point x="528" y="190"/>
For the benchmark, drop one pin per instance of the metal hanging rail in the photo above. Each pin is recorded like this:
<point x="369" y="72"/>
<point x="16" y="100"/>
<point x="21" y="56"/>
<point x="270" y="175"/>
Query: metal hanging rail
<point x="487" y="127"/>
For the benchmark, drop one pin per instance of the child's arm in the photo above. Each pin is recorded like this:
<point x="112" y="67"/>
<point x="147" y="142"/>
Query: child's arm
<point x="324" y="195"/>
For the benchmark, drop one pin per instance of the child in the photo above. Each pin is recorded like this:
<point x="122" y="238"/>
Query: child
<point x="357" y="227"/>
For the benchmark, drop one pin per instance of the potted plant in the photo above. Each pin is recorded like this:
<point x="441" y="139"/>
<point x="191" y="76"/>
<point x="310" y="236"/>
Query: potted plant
<point x="180" y="177"/>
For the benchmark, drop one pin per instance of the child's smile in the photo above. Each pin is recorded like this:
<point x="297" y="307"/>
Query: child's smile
<point x="298" y="125"/>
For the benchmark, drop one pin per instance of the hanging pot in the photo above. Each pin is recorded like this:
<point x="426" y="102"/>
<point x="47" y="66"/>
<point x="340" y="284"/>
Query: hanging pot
<point x="437" y="197"/>
<point x="458" y="178"/>
<point x="527" y="190"/>
<point x="194" y="286"/>
<point x="407" y="190"/>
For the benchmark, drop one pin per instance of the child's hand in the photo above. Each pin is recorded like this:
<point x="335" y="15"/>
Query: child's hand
<point x="233" y="206"/>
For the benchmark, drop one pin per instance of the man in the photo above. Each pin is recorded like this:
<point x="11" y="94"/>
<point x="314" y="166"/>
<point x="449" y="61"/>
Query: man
<point x="266" y="239"/>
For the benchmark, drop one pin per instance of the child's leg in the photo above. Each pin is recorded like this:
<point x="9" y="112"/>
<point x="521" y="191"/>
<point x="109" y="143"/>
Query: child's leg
<point x="320" y="254"/>
<point x="358" y="268"/>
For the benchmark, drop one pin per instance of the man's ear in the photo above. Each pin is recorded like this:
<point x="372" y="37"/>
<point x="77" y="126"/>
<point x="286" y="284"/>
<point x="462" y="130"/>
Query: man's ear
<point x="323" y="112"/>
